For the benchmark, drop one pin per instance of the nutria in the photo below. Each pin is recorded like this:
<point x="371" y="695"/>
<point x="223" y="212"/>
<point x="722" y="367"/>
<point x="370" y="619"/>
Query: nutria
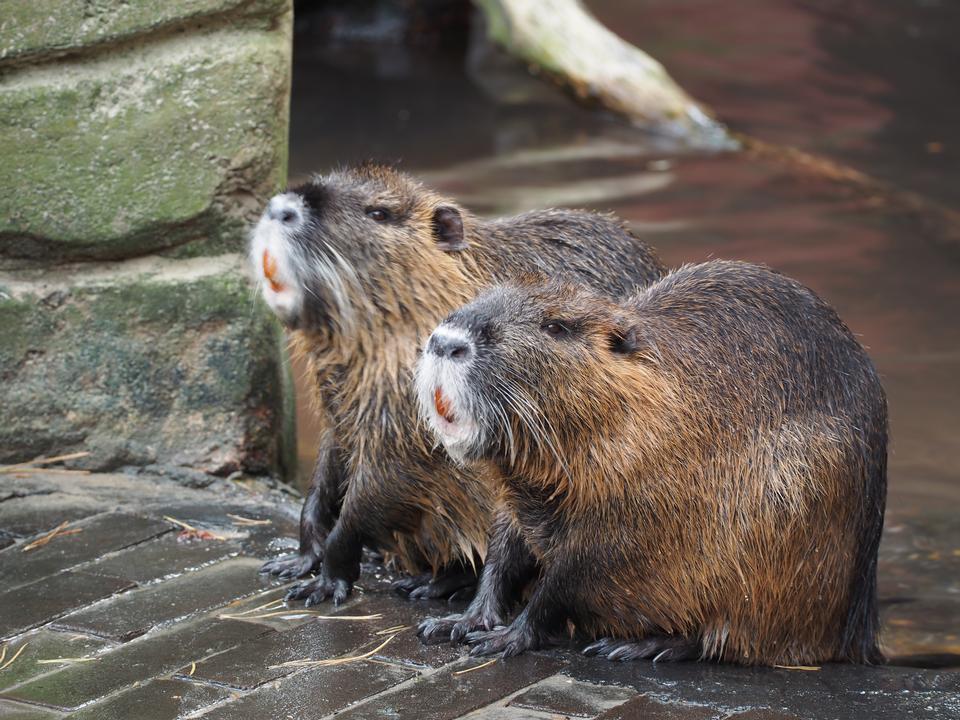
<point x="696" y="472"/>
<point x="362" y="264"/>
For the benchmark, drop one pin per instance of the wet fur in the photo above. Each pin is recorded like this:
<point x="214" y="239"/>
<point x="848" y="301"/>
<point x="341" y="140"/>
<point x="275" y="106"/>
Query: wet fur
<point x="717" y="480"/>
<point x="381" y="479"/>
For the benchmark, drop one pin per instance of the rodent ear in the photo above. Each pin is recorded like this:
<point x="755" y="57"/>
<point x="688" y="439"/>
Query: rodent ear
<point x="632" y="340"/>
<point x="448" y="229"/>
<point x="624" y="341"/>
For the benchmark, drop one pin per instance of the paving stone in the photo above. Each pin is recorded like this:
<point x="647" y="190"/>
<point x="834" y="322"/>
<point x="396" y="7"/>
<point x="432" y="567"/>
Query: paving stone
<point x="250" y="665"/>
<point x="41" y="602"/>
<point x="156" y="700"/>
<point x="46" y="644"/>
<point x="17" y="711"/>
<point x="140" y="660"/>
<point x="35" y="515"/>
<point x="444" y="696"/>
<point x="638" y="676"/>
<point x="646" y="708"/>
<point x="143" y="609"/>
<point x="314" y="693"/>
<point x="406" y="648"/>
<point x="293" y="614"/>
<point x="99" y="535"/>
<point x="565" y="696"/>
<point x="500" y="712"/>
<point x="163" y="558"/>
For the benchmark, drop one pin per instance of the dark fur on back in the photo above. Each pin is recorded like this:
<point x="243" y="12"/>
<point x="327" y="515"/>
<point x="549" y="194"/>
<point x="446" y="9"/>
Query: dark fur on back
<point x="381" y="260"/>
<point x="703" y="473"/>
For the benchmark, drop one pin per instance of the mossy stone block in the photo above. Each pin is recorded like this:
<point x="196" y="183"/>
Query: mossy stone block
<point x="178" y="365"/>
<point x="174" y="144"/>
<point x="35" y="29"/>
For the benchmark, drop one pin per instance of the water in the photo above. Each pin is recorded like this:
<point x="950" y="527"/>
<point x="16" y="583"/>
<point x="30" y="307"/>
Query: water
<point x="871" y="85"/>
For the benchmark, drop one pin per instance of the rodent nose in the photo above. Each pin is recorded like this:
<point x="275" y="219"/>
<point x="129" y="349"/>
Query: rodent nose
<point x="451" y="347"/>
<point x="282" y="211"/>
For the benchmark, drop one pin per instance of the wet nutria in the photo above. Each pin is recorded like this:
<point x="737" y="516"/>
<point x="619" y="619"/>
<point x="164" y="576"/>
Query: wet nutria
<point x="362" y="264"/>
<point x="697" y="472"/>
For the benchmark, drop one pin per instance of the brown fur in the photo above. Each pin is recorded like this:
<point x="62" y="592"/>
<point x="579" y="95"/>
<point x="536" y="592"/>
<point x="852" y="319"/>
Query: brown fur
<point x="718" y="484"/>
<point x="399" y="491"/>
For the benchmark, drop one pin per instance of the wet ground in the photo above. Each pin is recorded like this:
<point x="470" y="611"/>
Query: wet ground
<point x="138" y="597"/>
<point x="131" y="617"/>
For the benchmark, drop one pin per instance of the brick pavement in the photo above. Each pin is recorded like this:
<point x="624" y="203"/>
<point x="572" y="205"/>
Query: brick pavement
<point x="143" y="623"/>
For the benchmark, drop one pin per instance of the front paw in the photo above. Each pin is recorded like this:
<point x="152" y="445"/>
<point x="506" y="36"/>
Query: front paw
<point x="449" y="586"/>
<point x="320" y="589"/>
<point x="454" y="628"/>
<point x="504" y="641"/>
<point x="292" y="566"/>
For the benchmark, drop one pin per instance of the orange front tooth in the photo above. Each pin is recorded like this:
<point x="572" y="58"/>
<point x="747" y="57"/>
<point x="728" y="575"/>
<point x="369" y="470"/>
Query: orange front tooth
<point x="270" y="271"/>
<point x="440" y="403"/>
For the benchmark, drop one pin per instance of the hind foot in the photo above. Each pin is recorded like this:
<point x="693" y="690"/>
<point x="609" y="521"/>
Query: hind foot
<point x="452" y="586"/>
<point x="659" y="648"/>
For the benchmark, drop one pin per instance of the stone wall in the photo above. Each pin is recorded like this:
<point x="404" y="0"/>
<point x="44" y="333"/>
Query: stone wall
<point x="139" y="139"/>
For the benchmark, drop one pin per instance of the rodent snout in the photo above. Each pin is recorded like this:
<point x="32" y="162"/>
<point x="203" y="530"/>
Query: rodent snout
<point x="283" y="210"/>
<point x="451" y="345"/>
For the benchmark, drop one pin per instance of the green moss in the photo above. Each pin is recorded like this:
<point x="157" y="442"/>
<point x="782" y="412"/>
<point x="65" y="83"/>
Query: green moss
<point x="139" y="152"/>
<point x="40" y="28"/>
<point x="192" y="370"/>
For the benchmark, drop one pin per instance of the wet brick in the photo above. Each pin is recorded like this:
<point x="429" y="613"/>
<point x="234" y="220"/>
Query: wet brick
<point x="250" y="665"/>
<point x="406" y="648"/>
<point x="141" y="610"/>
<point x="35" y="514"/>
<point x="444" y="696"/>
<point x="646" y="708"/>
<point x="46" y="644"/>
<point x="156" y="700"/>
<point x="99" y="536"/>
<point x="498" y="712"/>
<point x="137" y="661"/>
<point x="163" y="557"/>
<point x="563" y="695"/>
<point x="315" y="693"/>
<point x="38" y="603"/>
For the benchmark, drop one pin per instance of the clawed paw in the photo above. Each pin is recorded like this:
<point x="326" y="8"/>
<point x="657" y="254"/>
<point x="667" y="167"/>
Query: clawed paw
<point x="504" y="641"/>
<point x="292" y="566"/>
<point x="320" y="589"/>
<point x="459" y="586"/>
<point x="434" y="631"/>
<point x="661" y="648"/>
<point x="455" y="628"/>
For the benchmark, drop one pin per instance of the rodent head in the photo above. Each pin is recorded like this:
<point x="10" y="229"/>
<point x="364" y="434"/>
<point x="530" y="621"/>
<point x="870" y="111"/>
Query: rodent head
<point x="348" y="241"/>
<point x="532" y="370"/>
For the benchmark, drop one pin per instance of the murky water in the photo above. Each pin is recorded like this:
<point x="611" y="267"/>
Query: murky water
<point x="872" y="85"/>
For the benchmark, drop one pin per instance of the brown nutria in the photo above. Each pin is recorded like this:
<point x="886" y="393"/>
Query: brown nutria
<point x="696" y="472"/>
<point x="362" y="264"/>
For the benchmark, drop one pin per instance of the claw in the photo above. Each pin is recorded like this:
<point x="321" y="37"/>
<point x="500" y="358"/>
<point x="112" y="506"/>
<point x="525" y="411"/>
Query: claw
<point x="291" y="566"/>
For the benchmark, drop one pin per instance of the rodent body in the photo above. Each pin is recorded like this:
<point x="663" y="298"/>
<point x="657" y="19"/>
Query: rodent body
<point x="698" y="471"/>
<point x="361" y="264"/>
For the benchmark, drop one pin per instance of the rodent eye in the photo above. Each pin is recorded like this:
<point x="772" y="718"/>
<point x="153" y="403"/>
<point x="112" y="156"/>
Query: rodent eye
<point x="378" y="214"/>
<point x="555" y="329"/>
